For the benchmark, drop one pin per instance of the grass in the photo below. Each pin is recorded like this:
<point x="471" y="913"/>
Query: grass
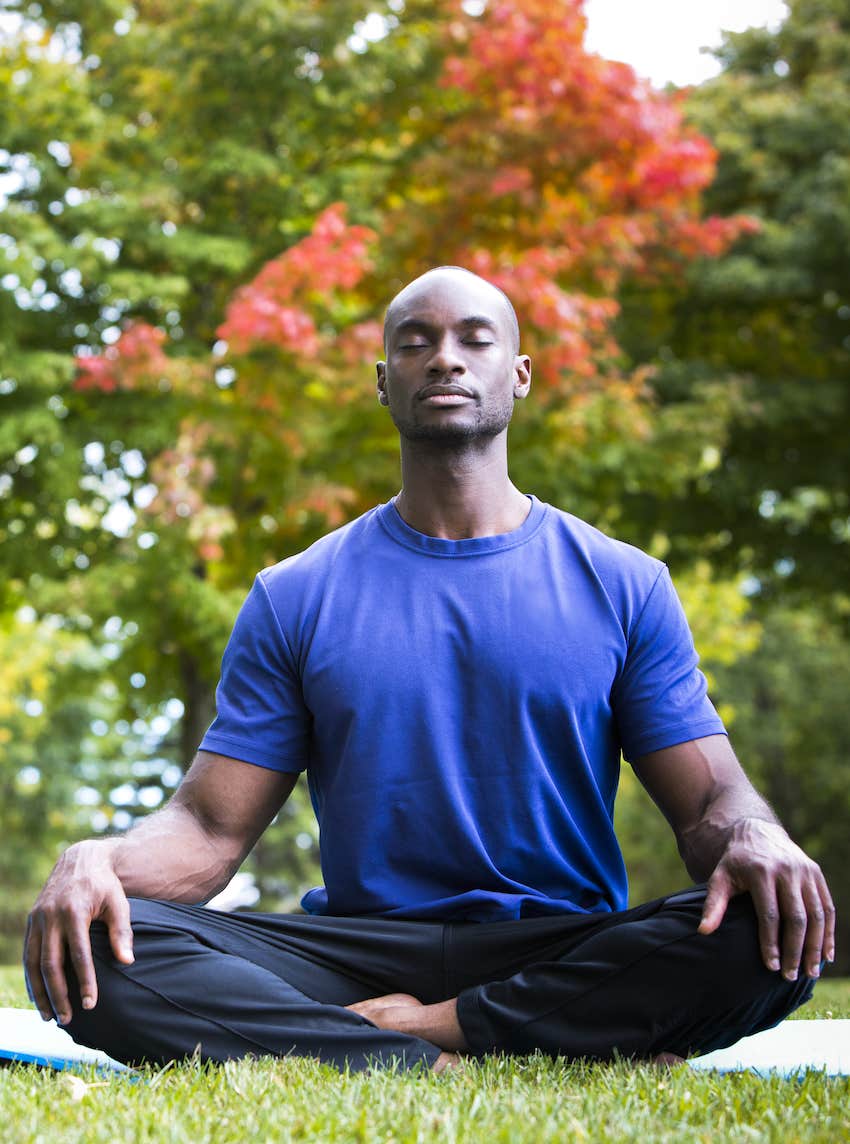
<point x="500" y="1101"/>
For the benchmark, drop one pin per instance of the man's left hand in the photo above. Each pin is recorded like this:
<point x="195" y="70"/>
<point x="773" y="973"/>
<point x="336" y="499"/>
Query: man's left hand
<point x="789" y="892"/>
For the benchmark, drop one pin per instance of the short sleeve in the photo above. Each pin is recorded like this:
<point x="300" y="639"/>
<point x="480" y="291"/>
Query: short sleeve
<point x="261" y="715"/>
<point x="660" y="698"/>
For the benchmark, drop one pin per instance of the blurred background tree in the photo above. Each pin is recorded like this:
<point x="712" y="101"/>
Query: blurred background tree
<point x="191" y="285"/>
<point x="770" y="321"/>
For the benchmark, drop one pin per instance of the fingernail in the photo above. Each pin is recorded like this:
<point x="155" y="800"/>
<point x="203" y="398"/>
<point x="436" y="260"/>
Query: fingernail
<point x="88" y="1002"/>
<point x="45" y="1016"/>
<point x="773" y="964"/>
<point x="791" y="975"/>
<point x="814" y="971"/>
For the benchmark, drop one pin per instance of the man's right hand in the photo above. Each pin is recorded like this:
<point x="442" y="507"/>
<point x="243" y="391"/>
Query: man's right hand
<point x="185" y="852"/>
<point x="82" y="888"/>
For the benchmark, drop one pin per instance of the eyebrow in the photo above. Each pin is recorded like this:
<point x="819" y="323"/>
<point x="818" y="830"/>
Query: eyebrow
<point x="473" y="321"/>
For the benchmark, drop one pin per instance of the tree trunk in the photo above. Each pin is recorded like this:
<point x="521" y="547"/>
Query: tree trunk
<point x="199" y="703"/>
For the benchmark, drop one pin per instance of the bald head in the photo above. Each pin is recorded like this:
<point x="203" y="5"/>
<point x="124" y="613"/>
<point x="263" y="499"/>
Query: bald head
<point x="445" y="278"/>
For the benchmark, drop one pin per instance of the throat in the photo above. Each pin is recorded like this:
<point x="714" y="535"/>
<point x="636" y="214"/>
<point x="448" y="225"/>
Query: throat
<point x="461" y="521"/>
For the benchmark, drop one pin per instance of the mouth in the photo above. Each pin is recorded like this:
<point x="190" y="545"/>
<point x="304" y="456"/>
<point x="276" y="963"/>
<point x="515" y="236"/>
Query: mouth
<point x="445" y="395"/>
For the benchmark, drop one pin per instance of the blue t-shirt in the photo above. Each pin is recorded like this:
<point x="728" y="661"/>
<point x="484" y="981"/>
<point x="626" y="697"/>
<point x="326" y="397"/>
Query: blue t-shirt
<point x="460" y="707"/>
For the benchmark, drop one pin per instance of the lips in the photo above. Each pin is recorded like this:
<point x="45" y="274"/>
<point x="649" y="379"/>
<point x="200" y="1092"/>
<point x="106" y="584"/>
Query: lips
<point x="444" y="390"/>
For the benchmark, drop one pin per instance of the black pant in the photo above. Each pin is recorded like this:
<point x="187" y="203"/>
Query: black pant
<point x="632" y="984"/>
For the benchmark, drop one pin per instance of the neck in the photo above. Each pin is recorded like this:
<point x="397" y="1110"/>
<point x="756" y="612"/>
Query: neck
<point x="458" y="496"/>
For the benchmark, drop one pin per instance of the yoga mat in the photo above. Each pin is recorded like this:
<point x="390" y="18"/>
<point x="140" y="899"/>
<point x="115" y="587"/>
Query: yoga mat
<point x="786" y="1050"/>
<point x="25" y="1037"/>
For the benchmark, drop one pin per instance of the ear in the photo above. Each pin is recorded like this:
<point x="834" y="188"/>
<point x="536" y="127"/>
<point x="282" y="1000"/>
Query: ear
<point x="381" y="369"/>
<point x="522" y="375"/>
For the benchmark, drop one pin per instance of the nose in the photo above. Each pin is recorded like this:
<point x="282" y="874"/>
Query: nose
<point x="446" y="358"/>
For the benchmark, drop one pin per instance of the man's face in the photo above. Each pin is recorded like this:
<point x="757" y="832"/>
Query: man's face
<point x="452" y="371"/>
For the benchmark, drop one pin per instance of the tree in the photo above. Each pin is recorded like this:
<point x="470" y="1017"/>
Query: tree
<point x="767" y="325"/>
<point x="196" y="285"/>
<point x="57" y="766"/>
<point x="153" y="214"/>
<point x="770" y="320"/>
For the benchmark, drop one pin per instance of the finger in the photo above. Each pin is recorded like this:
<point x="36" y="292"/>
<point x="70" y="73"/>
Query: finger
<point x="116" y="914"/>
<point x="767" y="915"/>
<point x="32" y="970"/>
<point x="795" y="922"/>
<point x="720" y="890"/>
<point x="79" y="950"/>
<point x="28" y="937"/>
<point x="53" y="972"/>
<point x="828" y="919"/>
<point x="813" y="945"/>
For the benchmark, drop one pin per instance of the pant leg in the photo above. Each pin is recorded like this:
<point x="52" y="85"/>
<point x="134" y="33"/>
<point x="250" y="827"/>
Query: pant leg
<point x="240" y="984"/>
<point x="635" y="984"/>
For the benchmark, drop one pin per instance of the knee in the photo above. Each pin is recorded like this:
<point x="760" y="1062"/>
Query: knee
<point x="105" y="1026"/>
<point x="100" y="1027"/>
<point x="738" y="960"/>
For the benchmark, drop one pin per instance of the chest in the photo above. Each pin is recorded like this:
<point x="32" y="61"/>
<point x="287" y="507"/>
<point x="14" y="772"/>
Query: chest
<point x="464" y="633"/>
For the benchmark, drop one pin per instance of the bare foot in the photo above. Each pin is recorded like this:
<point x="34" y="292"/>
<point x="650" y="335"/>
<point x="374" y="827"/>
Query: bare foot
<point x="667" y="1060"/>
<point x="374" y="1007"/>
<point x="447" y="1061"/>
<point x="404" y="1013"/>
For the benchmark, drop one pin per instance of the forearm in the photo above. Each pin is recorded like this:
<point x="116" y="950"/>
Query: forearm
<point x="185" y="852"/>
<point x="171" y="855"/>
<point x="190" y="849"/>
<point x="736" y="813"/>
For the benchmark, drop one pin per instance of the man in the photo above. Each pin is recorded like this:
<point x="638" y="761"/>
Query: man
<point x="457" y="671"/>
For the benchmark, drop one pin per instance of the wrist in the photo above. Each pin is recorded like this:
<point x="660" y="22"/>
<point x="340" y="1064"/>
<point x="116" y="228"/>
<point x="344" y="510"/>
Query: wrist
<point x="96" y="857"/>
<point x="720" y="829"/>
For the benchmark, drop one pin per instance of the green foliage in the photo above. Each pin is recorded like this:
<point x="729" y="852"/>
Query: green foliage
<point x="772" y="318"/>
<point x="77" y="756"/>
<point x="768" y="327"/>
<point x="164" y="156"/>
<point x="40" y="720"/>
<point x="167" y="156"/>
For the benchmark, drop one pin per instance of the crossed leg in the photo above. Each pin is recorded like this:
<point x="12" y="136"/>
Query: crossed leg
<point x="235" y="985"/>
<point x="641" y="984"/>
<point x="348" y="991"/>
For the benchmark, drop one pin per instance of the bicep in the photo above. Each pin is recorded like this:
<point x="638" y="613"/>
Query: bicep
<point x="231" y="799"/>
<point x="659" y="695"/>
<point x="685" y="779"/>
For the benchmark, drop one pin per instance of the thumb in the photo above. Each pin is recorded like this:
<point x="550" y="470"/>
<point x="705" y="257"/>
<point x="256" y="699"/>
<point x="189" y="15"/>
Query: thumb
<point x="720" y="890"/>
<point x="116" y="915"/>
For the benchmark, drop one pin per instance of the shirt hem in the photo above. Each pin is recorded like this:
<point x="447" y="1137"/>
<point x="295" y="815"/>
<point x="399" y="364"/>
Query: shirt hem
<point x="232" y="749"/>
<point x="674" y="736"/>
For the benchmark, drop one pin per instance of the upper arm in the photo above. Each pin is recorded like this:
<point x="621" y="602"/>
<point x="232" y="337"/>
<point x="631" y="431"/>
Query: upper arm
<point x="659" y="695"/>
<point x="232" y="800"/>
<point x="261" y="716"/>
<point x="685" y="779"/>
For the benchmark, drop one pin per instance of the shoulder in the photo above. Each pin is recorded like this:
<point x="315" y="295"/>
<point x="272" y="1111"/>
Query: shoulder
<point x="311" y="567"/>
<point x="614" y="561"/>
<point x="619" y="575"/>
